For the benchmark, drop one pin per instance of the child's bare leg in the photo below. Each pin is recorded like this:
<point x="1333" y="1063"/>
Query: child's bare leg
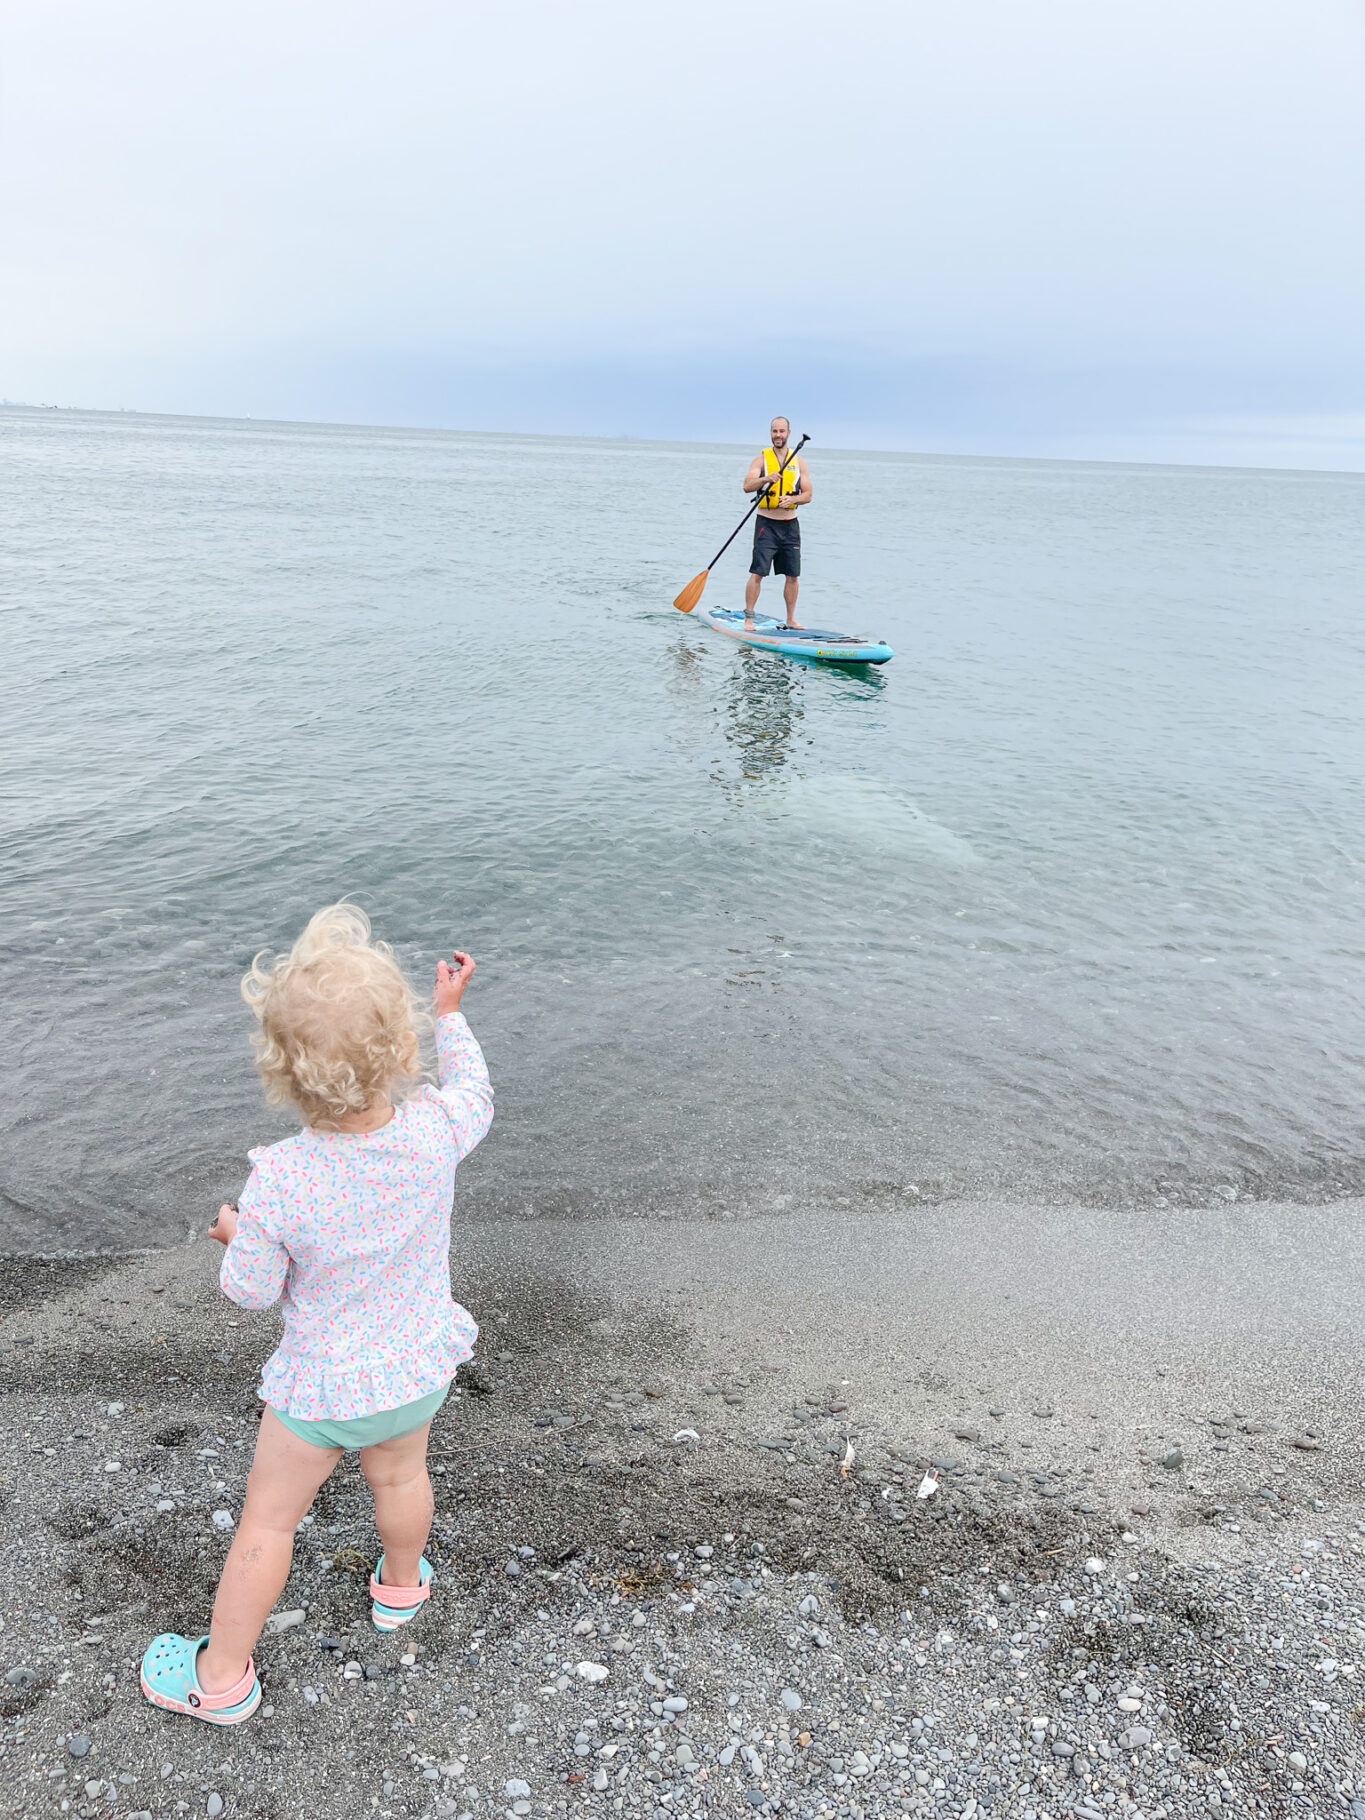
<point x="285" y="1477"/>
<point x="403" y="1504"/>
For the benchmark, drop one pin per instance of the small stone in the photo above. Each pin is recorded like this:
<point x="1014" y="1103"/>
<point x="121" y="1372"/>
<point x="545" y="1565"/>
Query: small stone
<point x="791" y="1699"/>
<point x="517" y="1790"/>
<point x="213" y="1806"/>
<point x="599" y="1780"/>
<point x="1305" y="1443"/>
<point x="809" y="1606"/>
<point x="966" y="1434"/>
<point x="79" y="1744"/>
<point x="1137" y="1737"/>
<point x="284" y="1620"/>
<point x="408" y="1659"/>
<point x="20" y="1677"/>
<point x="223" y="1519"/>
<point x="592" y="1672"/>
<point x="1174" y="1460"/>
<point x="1094" y="1567"/>
<point x="1127" y="1705"/>
<point x="675" y="1704"/>
<point x="995" y="1410"/>
<point x="113" y="1465"/>
<point x="1297" y="1760"/>
<point x="512" y="1569"/>
<point x="1141" y="1509"/>
<point x="165" y="1504"/>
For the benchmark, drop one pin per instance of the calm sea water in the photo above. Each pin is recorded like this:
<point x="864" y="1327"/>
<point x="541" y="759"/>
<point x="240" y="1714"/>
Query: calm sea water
<point x="1066" y="900"/>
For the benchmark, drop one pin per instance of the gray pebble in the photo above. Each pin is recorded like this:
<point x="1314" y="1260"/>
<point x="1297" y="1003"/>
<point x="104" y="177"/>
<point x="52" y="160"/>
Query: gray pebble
<point x="20" y="1677"/>
<point x="1174" y="1460"/>
<point x="214" y="1805"/>
<point x="791" y="1699"/>
<point x="79" y="1745"/>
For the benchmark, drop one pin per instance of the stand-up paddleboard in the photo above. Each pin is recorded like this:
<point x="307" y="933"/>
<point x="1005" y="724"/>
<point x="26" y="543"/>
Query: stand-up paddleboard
<point x="776" y="635"/>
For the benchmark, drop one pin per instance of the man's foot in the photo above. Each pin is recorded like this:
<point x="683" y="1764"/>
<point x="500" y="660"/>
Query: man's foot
<point x="794" y="625"/>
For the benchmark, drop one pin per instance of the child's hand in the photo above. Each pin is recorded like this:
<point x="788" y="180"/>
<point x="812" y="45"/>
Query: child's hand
<point x="224" y="1227"/>
<point x="451" y="982"/>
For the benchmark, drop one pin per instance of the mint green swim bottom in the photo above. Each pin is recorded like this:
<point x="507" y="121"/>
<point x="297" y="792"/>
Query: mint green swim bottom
<point x="368" y="1431"/>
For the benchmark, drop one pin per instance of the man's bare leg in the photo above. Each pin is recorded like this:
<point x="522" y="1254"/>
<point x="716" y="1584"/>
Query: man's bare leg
<point x="751" y="588"/>
<point x="790" y="588"/>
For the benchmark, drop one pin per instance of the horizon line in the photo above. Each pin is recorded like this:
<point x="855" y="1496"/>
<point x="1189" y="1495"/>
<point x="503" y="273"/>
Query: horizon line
<point x="346" y="424"/>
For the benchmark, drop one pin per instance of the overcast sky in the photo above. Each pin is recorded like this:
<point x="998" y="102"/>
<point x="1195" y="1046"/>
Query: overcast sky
<point x="1033" y="226"/>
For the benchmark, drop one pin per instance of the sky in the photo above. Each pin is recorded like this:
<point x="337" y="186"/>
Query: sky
<point x="1004" y="226"/>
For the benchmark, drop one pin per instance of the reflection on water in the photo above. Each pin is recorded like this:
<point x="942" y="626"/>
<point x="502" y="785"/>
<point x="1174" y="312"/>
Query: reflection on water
<point x="763" y="712"/>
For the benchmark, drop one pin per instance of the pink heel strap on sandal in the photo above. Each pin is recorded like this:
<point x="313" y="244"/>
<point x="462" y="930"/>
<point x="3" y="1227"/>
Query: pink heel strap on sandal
<point x="398" y="1598"/>
<point x="230" y="1696"/>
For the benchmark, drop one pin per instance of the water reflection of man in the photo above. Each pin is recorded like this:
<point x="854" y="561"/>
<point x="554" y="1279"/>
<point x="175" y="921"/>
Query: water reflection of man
<point x="764" y="708"/>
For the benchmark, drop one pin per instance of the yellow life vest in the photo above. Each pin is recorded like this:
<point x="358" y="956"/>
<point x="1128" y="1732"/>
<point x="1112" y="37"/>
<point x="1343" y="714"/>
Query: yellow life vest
<point x="789" y="483"/>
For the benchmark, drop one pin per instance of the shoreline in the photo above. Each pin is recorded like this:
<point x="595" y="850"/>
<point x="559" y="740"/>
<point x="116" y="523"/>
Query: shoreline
<point x="1230" y="1337"/>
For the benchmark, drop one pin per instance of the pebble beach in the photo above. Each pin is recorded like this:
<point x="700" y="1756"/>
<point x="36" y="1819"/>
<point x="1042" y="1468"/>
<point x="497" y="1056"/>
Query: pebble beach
<point x="683" y="1564"/>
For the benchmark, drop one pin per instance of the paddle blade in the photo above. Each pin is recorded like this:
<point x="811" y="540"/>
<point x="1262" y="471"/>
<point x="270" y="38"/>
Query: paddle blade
<point x="691" y="594"/>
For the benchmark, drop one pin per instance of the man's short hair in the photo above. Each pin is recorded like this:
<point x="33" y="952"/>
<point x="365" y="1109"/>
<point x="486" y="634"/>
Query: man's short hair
<point x="786" y="420"/>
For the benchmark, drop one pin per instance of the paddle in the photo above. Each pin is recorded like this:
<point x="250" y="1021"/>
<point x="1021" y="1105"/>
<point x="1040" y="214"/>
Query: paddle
<point x="691" y="594"/>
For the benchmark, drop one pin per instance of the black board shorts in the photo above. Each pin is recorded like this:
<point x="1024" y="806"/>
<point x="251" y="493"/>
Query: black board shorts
<point x="777" y="547"/>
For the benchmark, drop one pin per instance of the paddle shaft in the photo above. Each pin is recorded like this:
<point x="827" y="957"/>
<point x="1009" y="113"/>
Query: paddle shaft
<point x="762" y="492"/>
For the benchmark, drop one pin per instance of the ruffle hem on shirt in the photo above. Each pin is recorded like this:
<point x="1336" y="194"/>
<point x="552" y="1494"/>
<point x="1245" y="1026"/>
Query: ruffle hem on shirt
<point x="322" y="1390"/>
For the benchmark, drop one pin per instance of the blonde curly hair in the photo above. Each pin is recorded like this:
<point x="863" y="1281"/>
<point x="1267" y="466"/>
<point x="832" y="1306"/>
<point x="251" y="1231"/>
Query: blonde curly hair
<point x="338" y="1021"/>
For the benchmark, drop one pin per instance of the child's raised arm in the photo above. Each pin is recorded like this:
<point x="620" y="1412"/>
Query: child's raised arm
<point x="465" y="1091"/>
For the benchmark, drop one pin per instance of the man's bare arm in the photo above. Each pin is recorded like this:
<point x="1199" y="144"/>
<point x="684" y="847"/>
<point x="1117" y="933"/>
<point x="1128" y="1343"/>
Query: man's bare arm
<point x="802" y="497"/>
<point x="757" y="477"/>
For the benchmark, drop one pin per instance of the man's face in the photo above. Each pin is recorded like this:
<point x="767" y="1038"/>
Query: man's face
<point x="779" y="433"/>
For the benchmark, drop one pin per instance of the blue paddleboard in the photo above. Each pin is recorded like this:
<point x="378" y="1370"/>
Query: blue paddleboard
<point x="776" y="635"/>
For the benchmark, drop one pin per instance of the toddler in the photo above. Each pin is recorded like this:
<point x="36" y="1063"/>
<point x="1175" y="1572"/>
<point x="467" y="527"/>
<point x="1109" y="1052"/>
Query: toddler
<point x="348" y="1223"/>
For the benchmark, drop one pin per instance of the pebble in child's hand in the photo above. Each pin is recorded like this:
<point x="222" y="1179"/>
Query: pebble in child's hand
<point x="224" y="1230"/>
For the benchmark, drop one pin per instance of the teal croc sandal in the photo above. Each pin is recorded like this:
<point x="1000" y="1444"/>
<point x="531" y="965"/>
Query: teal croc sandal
<point x="393" y="1606"/>
<point x="169" y="1680"/>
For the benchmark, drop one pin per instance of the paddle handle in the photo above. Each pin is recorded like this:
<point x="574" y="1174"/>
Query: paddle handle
<point x="758" y="501"/>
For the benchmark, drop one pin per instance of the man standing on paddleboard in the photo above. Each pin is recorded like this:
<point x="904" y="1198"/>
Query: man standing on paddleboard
<point x="777" y="534"/>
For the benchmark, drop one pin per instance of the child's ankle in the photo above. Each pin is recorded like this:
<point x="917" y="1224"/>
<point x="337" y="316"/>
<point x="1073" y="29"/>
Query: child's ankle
<point x="213" y="1678"/>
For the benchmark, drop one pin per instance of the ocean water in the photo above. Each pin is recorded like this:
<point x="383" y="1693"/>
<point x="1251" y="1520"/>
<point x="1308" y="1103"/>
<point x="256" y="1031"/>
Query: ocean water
<point x="1065" y="901"/>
